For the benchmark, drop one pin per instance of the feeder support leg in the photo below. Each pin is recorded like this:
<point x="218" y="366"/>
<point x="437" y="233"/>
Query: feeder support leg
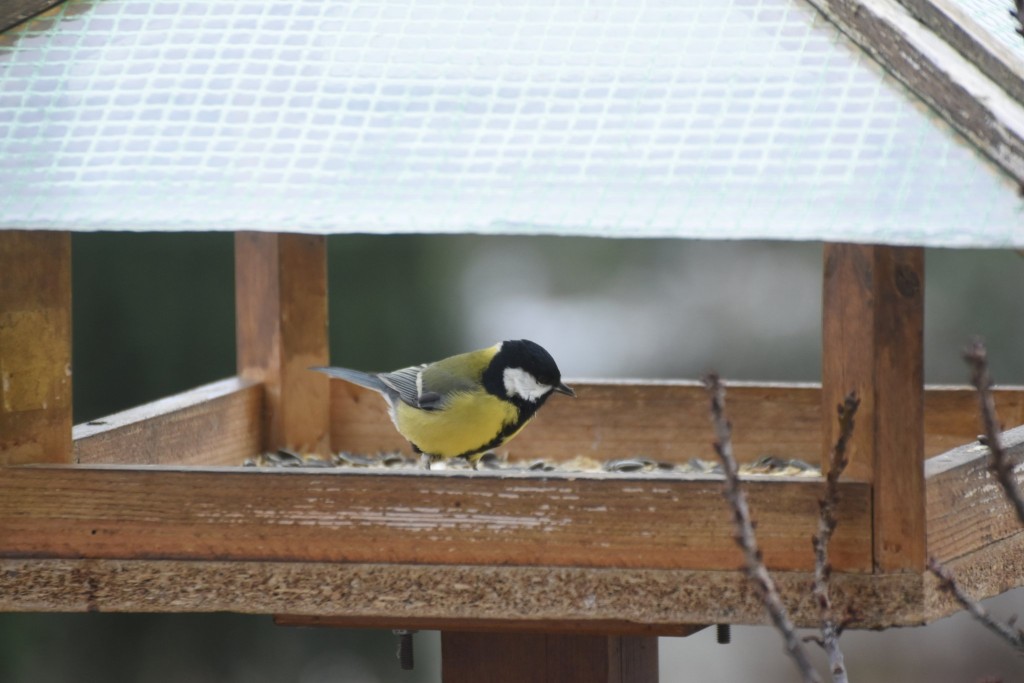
<point x="517" y="657"/>
<point x="35" y="347"/>
<point x="281" y="330"/>
<point x="872" y="329"/>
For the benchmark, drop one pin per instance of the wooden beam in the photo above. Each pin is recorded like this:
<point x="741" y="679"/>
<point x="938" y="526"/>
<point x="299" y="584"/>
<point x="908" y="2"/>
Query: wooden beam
<point x="457" y="518"/>
<point x="14" y="12"/>
<point x="967" y="510"/>
<point x="872" y="331"/>
<point x="662" y="420"/>
<point x="281" y="305"/>
<point x="978" y="107"/>
<point x="952" y="419"/>
<point x="459" y="593"/>
<point x="35" y="347"/>
<point x="216" y="424"/>
<point x="668" y="421"/>
<point x="511" y="658"/>
<point x="956" y="26"/>
<point x="983" y="573"/>
<point x="462" y="595"/>
<point x="613" y="627"/>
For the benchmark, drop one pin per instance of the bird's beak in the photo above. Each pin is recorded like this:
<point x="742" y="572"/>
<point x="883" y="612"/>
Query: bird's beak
<point x="563" y="388"/>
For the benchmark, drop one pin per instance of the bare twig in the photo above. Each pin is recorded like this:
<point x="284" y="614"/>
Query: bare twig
<point x="999" y="463"/>
<point x="753" y="560"/>
<point x="1007" y="631"/>
<point x="838" y="460"/>
<point x="1002" y="468"/>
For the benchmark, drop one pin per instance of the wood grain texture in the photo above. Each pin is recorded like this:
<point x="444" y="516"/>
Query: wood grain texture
<point x="958" y="28"/>
<point x="668" y="421"/>
<point x="458" y="518"/>
<point x="216" y="424"/>
<point x="452" y="592"/>
<point x="983" y="573"/>
<point x="562" y="658"/>
<point x="952" y="417"/>
<point x="976" y="106"/>
<point x="898" y="483"/>
<point x="14" y="12"/>
<point x="613" y="419"/>
<point x="873" y="343"/>
<point x="967" y="510"/>
<point x="610" y="627"/>
<point x="35" y="347"/>
<point x="281" y="321"/>
<point x="535" y="596"/>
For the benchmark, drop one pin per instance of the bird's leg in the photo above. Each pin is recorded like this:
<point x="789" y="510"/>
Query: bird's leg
<point x="425" y="460"/>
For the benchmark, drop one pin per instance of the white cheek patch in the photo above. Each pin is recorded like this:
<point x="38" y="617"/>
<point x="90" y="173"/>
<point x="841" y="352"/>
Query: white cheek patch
<point x="519" y="382"/>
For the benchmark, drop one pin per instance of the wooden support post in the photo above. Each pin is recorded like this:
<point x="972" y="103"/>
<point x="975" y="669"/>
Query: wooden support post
<point x="872" y="333"/>
<point x="515" y="657"/>
<point x="281" y="322"/>
<point x="35" y="347"/>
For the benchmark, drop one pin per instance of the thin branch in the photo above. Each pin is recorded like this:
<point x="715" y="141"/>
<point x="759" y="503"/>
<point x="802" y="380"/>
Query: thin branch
<point x="753" y="560"/>
<point x="1002" y="468"/>
<point x="999" y="464"/>
<point x="838" y="460"/>
<point x="1007" y="631"/>
<point x="1016" y="12"/>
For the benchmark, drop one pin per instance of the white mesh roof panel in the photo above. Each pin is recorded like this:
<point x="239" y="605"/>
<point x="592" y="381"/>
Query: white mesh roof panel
<point x="694" y="118"/>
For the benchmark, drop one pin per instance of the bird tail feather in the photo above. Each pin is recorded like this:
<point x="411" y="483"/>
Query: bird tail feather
<point x="363" y="379"/>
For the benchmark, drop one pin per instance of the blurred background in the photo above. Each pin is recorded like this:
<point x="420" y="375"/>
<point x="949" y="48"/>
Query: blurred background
<point x="154" y="315"/>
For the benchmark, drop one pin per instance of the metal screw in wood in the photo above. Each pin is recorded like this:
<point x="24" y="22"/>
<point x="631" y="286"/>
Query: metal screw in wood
<point x="405" y="652"/>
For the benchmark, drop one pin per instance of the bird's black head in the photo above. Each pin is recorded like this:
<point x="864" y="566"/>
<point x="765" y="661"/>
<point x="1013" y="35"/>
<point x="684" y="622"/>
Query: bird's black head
<point x="525" y="373"/>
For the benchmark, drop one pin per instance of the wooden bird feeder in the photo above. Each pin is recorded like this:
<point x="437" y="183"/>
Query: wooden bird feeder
<point x="149" y="510"/>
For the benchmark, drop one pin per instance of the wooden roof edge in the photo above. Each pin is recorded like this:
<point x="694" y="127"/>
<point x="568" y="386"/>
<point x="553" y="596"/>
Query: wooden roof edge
<point x="15" y="12"/>
<point x="960" y="30"/>
<point x="958" y="89"/>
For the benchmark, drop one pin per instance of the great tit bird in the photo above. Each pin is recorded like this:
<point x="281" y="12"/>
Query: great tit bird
<point x="463" y="406"/>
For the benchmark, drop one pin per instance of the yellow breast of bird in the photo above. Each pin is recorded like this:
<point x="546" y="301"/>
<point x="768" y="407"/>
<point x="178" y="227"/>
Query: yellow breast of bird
<point x="466" y="424"/>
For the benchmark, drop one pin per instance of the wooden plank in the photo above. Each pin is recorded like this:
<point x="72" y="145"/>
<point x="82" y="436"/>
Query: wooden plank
<point x="668" y="421"/>
<point x="982" y="573"/>
<point x="452" y="592"/>
<point x="615" y="419"/>
<point x="455" y="517"/>
<point x="465" y="594"/>
<point x="848" y="322"/>
<point x="872" y="332"/>
<point x="35" y="347"/>
<point x="281" y="314"/>
<point x="967" y="510"/>
<point x="952" y="417"/>
<point x="467" y="657"/>
<point x="898" y="483"/>
<point x="511" y="658"/>
<point x="958" y="28"/>
<point x="216" y="424"/>
<point x="975" y="105"/>
<point x="14" y="12"/>
<point x="605" y="627"/>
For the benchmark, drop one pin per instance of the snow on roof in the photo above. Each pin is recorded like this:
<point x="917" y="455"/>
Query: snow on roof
<point x="719" y="119"/>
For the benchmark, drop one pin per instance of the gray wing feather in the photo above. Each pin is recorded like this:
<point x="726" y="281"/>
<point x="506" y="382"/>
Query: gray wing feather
<point x="363" y="379"/>
<point x="406" y="384"/>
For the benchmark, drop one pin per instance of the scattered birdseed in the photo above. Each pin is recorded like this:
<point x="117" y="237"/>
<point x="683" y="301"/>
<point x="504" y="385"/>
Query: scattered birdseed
<point x="767" y="464"/>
